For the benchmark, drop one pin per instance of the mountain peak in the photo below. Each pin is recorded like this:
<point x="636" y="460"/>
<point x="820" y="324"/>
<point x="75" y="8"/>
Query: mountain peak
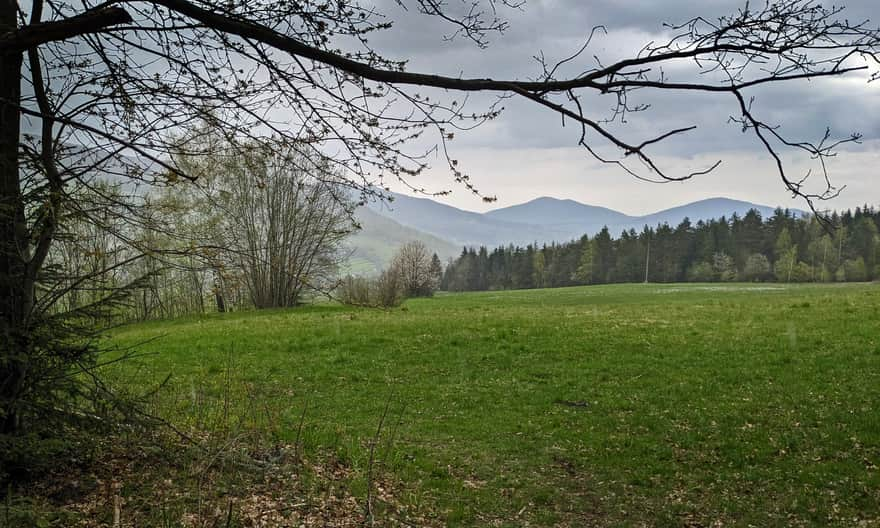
<point x="549" y="211"/>
<point x="547" y="219"/>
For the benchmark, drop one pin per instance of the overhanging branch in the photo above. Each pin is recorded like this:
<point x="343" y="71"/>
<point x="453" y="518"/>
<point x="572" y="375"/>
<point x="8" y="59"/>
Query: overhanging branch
<point x="592" y="80"/>
<point x="33" y="35"/>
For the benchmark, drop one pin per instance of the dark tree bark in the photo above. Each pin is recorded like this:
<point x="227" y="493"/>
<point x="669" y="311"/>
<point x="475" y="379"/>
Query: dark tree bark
<point x="17" y="40"/>
<point x="16" y="288"/>
<point x="218" y="293"/>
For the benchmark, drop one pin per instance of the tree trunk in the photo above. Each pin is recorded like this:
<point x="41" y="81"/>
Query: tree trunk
<point x="16" y="290"/>
<point x="218" y="293"/>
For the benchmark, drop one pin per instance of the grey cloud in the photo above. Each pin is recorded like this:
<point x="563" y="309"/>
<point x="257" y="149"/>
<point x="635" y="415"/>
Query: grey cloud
<point x="803" y="111"/>
<point x="559" y="27"/>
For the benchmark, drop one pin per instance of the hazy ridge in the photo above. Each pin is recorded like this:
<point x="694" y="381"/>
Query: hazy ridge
<point x="446" y="229"/>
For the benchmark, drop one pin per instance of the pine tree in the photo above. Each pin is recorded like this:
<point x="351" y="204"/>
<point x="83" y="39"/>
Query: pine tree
<point x="436" y="270"/>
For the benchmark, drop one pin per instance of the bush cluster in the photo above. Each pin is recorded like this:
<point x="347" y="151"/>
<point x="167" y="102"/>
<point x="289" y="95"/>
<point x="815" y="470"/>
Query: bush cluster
<point x="384" y="291"/>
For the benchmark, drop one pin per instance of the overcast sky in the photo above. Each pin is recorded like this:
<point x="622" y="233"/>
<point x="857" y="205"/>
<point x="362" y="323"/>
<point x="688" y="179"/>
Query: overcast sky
<point x="526" y="153"/>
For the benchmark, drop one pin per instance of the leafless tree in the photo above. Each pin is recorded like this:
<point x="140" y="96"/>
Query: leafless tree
<point x="413" y="262"/>
<point x="92" y="89"/>
<point x="281" y="229"/>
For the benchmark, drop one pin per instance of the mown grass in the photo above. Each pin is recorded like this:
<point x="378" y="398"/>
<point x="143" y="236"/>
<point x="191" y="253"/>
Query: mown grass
<point x="665" y="405"/>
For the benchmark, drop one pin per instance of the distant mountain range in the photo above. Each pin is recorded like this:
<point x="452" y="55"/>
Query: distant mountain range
<point x="446" y="229"/>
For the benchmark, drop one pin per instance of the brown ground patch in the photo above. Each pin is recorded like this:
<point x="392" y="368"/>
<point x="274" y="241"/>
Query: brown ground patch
<point x="165" y="482"/>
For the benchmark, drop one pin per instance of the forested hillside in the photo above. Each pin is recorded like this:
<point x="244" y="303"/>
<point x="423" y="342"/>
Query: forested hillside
<point x="783" y="247"/>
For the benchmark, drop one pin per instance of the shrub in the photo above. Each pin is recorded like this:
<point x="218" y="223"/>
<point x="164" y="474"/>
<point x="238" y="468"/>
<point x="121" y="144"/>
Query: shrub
<point x="757" y="268"/>
<point x="384" y="291"/>
<point x="701" y="272"/>
<point x="389" y="291"/>
<point x="722" y="265"/>
<point x="854" y="270"/>
<point x="354" y="291"/>
<point x="803" y="272"/>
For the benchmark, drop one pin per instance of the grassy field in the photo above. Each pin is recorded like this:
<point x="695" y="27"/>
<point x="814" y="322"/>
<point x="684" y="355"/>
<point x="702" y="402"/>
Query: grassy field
<point x="659" y="405"/>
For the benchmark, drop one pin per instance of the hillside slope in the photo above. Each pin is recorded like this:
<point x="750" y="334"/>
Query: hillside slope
<point x="373" y="246"/>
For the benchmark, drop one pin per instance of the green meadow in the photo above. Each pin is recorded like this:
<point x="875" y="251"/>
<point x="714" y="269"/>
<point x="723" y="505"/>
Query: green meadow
<point x="622" y="405"/>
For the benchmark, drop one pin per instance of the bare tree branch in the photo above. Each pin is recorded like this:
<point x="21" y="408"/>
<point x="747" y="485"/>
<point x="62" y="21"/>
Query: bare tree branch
<point x="37" y="33"/>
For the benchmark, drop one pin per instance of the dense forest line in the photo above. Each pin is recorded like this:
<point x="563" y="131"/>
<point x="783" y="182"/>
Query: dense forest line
<point x="782" y="248"/>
